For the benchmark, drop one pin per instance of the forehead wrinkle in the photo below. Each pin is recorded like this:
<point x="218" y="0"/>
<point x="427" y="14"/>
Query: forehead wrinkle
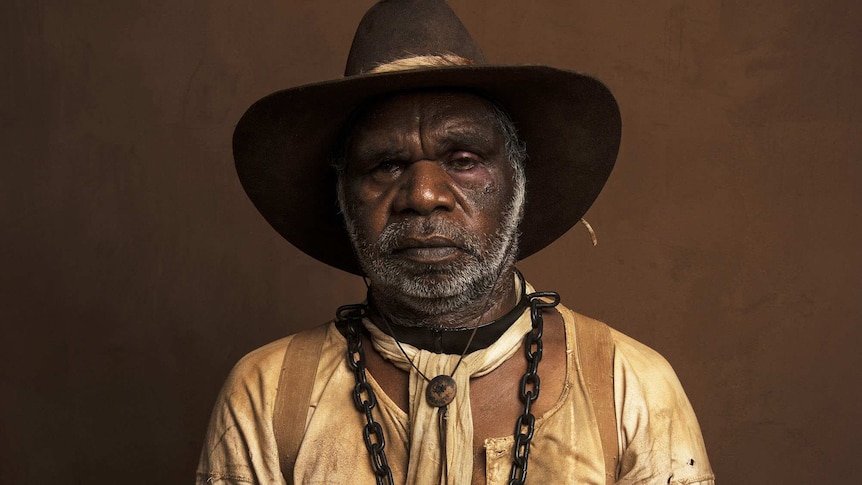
<point x="418" y="126"/>
<point x="453" y="118"/>
<point x="377" y="118"/>
<point x="387" y="151"/>
<point x="466" y="133"/>
<point x="376" y="142"/>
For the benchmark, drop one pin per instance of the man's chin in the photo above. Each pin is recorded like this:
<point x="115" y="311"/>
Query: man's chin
<point x="424" y="280"/>
<point x="432" y="278"/>
<point x="429" y="299"/>
<point x="436" y="270"/>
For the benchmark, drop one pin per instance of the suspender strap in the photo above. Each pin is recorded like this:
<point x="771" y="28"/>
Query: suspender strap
<point x="293" y="396"/>
<point x="596" y="352"/>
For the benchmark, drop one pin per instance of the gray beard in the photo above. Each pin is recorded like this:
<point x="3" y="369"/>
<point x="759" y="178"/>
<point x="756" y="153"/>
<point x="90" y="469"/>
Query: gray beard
<point x="435" y="290"/>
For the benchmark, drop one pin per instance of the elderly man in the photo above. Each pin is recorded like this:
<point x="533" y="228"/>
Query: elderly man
<point x="430" y="173"/>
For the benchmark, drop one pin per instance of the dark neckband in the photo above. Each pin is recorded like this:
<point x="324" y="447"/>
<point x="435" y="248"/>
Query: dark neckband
<point x="454" y="340"/>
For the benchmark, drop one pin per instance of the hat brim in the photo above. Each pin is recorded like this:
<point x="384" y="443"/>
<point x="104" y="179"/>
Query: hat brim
<point x="283" y="145"/>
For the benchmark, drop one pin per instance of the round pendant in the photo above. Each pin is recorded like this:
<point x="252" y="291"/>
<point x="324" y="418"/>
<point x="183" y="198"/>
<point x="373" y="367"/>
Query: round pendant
<point x="441" y="391"/>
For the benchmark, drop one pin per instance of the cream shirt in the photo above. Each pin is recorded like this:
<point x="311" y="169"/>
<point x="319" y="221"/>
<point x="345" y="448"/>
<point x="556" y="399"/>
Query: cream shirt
<point x="658" y="435"/>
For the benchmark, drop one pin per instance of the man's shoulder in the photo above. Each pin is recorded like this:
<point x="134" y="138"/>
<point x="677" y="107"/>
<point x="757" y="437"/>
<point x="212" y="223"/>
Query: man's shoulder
<point x="240" y="443"/>
<point x="261" y="359"/>
<point x="631" y="356"/>
<point x="640" y="355"/>
<point x="643" y="374"/>
<point x="263" y="365"/>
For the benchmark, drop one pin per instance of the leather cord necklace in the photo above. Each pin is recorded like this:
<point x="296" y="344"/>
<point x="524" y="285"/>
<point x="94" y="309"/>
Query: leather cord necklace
<point x="441" y="389"/>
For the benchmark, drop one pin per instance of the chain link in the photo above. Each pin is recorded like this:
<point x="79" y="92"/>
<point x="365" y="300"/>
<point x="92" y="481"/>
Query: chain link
<point x="525" y="426"/>
<point x="363" y="394"/>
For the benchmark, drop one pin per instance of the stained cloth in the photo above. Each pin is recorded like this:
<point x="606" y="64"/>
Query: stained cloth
<point x="658" y="435"/>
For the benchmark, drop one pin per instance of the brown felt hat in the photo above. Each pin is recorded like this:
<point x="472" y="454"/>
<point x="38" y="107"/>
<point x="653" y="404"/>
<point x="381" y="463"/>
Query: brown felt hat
<point x="284" y="143"/>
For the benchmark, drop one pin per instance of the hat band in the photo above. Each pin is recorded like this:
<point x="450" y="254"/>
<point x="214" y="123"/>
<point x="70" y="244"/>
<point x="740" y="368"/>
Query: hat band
<point x="422" y="62"/>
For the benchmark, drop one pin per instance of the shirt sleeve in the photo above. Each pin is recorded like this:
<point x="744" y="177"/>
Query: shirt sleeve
<point x="659" y="436"/>
<point x="240" y="447"/>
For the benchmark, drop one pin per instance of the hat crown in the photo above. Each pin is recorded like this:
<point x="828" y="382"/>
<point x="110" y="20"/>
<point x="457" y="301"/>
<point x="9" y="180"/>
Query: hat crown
<point x="398" y="29"/>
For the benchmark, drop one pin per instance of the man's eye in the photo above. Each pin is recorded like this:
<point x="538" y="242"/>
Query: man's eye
<point x="463" y="162"/>
<point x="387" y="166"/>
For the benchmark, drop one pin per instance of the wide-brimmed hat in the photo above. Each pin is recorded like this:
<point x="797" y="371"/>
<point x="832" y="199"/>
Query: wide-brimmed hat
<point x="284" y="144"/>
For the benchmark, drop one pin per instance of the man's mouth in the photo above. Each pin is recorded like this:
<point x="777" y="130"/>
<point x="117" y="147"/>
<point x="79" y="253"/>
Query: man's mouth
<point x="428" y="250"/>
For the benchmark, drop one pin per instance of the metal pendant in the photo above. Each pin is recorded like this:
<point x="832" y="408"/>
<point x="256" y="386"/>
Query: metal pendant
<point x="441" y="391"/>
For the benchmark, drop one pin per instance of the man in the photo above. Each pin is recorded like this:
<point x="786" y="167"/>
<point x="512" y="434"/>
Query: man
<point x="445" y="172"/>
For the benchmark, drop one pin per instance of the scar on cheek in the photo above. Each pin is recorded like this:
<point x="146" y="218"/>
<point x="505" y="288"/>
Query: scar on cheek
<point x="490" y="188"/>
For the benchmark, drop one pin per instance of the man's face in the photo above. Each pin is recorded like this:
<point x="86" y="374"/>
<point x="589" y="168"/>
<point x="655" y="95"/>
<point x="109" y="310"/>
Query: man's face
<point x="430" y="198"/>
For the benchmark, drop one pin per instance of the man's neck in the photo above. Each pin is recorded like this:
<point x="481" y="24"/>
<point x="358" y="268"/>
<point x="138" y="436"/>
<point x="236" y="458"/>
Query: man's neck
<point x="496" y="303"/>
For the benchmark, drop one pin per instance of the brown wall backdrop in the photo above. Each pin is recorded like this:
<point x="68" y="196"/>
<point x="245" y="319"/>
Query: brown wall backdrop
<point x="135" y="272"/>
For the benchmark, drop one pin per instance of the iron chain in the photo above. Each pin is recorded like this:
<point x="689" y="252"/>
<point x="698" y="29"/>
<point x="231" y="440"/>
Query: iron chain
<point x="525" y="427"/>
<point x="363" y="394"/>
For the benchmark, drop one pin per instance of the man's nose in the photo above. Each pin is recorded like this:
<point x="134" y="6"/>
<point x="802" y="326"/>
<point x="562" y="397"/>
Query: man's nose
<point x="425" y="187"/>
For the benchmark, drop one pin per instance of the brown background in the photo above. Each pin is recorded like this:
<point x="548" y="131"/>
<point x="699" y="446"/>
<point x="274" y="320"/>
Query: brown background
<point x="135" y="272"/>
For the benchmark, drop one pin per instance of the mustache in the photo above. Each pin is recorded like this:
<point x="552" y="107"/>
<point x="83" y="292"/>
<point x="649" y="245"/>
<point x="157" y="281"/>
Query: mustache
<point x="395" y="235"/>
